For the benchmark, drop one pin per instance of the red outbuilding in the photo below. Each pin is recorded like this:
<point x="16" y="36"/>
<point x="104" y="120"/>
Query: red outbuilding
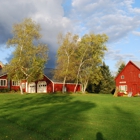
<point x="47" y="85"/>
<point x="128" y="80"/>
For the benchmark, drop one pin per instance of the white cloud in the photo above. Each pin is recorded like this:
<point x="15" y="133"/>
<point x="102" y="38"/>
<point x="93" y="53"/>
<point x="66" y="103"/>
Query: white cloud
<point x="116" y="18"/>
<point x="116" y="54"/>
<point x="136" y="33"/>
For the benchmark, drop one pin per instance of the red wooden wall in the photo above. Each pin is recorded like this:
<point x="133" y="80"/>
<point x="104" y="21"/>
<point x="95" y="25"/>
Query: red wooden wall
<point x="51" y="86"/>
<point x="69" y="87"/>
<point x="131" y="78"/>
<point x="4" y="77"/>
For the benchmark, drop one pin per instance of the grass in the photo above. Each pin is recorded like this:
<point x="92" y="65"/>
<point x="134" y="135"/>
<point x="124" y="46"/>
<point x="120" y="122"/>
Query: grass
<point x="64" y="117"/>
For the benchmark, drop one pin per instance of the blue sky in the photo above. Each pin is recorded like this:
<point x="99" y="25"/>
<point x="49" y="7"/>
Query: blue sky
<point x="119" y="19"/>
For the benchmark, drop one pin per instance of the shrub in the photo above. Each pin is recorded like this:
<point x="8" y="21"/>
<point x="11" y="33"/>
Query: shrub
<point x="4" y="90"/>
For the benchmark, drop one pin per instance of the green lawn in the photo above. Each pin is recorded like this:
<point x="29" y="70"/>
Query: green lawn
<point x="64" y="117"/>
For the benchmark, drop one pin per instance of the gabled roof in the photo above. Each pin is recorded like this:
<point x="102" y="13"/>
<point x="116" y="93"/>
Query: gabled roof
<point x="49" y="72"/>
<point x="2" y="72"/>
<point x="137" y="63"/>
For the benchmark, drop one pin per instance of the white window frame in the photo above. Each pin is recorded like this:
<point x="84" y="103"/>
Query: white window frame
<point x="122" y="76"/>
<point x="4" y="83"/>
<point x="122" y="88"/>
<point x="15" y="83"/>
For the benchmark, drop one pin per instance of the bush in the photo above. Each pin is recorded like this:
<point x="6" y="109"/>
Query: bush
<point x="4" y="90"/>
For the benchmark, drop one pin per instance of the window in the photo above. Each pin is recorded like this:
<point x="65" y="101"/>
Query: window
<point x="122" y="76"/>
<point x="123" y="88"/>
<point x="139" y="75"/>
<point x="15" y="83"/>
<point x="3" y="82"/>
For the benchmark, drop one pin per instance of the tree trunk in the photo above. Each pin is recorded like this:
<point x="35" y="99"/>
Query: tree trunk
<point x="21" y="90"/>
<point x="84" y="87"/>
<point x="77" y="78"/>
<point x="63" y="88"/>
<point x="78" y="73"/>
<point x="67" y="68"/>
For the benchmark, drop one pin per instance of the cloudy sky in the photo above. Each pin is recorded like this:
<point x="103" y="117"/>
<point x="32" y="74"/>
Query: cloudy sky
<point x="119" y="19"/>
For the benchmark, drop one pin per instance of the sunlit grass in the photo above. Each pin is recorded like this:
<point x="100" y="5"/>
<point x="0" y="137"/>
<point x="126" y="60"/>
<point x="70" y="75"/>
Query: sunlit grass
<point x="58" y="117"/>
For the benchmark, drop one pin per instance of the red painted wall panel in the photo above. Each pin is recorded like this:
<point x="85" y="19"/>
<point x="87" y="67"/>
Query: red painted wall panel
<point x="17" y="88"/>
<point x="58" y="87"/>
<point x="4" y="87"/>
<point x="131" y="79"/>
<point x="51" y="86"/>
<point x="69" y="87"/>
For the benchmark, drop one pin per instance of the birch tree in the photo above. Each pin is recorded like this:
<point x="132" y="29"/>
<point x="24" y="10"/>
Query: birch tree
<point x="89" y="57"/>
<point x="29" y="56"/>
<point x="68" y="45"/>
<point x="78" y="60"/>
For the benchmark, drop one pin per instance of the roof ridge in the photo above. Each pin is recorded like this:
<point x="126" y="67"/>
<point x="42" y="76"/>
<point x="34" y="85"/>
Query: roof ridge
<point x="137" y="63"/>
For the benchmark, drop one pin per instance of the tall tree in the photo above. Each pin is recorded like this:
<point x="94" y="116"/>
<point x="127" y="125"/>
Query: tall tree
<point x="107" y="83"/>
<point x="89" y="57"/>
<point x="121" y="68"/>
<point x="28" y="59"/>
<point x="68" y="45"/>
<point x="79" y="60"/>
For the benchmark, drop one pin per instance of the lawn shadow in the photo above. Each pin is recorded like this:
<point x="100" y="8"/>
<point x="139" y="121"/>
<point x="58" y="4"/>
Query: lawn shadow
<point x="37" y="99"/>
<point x="53" y="116"/>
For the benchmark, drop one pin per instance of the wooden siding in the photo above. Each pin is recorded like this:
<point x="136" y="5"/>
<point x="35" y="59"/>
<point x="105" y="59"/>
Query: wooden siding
<point x="51" y="86"/>
<point x="5" y="78"/>
<point x="131" y="79"/>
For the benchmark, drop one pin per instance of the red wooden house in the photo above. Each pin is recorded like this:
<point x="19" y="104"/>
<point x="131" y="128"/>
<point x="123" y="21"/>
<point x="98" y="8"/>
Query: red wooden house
<point x="128" y="80"/>
<point x="47" y="85"/>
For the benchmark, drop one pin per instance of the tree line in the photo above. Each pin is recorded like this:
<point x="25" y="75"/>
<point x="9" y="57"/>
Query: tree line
<point x="78" y="60"/>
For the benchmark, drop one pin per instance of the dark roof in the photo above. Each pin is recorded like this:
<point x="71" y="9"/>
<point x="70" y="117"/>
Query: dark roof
<point x="49" y="72"/>
<point x="2" y="72"/>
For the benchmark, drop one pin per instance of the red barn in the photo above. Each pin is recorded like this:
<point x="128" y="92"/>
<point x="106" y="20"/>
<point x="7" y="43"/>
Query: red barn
<point x="128" y="80"/>
<point x="47" y="85"/>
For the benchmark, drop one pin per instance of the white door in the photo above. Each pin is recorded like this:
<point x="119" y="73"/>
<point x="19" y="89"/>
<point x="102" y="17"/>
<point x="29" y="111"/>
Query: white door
<point x="41" y="87"/>
<point x="32" y="87"/>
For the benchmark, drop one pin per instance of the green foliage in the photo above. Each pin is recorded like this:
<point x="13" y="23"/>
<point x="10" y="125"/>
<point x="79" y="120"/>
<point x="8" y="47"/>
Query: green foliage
<point x="79" y="59"/>
<point x="121" y="68"/>
<point x="6" y="90"/>
<point x="89" y="56"/>
<point x="106" y="84"/>
<point x="58" y="117"/>
<point x="65" y="57"/>
<point x="28" y="59"/>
